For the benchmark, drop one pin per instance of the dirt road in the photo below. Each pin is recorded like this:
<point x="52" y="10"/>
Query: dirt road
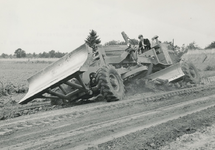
<point x="115" y="125"/>
<point x="203" y="139"/>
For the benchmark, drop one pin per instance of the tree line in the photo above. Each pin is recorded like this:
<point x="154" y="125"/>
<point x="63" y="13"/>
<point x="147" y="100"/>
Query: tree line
<point x="93" y="41"/>
<point x="20" y="53"/>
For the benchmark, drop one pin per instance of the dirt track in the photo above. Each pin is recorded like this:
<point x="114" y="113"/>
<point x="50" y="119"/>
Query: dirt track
<point x="200" y="140"/>
<point x="103" y="126"/>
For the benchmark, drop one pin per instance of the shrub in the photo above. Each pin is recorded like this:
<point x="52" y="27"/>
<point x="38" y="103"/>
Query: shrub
<point x="212" y="45"/>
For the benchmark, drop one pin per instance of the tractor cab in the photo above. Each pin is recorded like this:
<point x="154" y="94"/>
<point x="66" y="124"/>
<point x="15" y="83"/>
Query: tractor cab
<point x="158" y="53"/>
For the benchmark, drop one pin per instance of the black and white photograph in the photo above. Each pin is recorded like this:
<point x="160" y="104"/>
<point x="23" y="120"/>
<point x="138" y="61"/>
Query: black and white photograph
<point x="107" y="74"/>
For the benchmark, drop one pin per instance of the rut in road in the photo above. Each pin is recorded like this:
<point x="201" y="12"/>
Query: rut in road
<point x="75" y="111"/>
<point x="71" y="133"/>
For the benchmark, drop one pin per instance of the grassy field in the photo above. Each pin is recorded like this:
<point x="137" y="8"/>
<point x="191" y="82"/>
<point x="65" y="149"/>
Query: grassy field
<point x="17" y="71"/>
<point x="14" y="74"/>
<point x="32" y="60"/>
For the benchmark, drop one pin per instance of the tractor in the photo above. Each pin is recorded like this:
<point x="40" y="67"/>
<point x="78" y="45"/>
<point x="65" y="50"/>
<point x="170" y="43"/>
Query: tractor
<point x="83" y="74"/>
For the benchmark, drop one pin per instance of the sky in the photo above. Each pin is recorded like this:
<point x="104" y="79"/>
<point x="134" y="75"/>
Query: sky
<point x="63" y="25"/>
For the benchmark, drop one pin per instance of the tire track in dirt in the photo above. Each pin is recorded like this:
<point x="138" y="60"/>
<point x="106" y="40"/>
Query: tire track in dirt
<point x="62" y="138"/>
<point x="95" y="143"/>
<point x="8" y="127"/>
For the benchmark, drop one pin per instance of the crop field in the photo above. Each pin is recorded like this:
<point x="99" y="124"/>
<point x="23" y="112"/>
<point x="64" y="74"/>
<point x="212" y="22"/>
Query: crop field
<point x="15" y="72"/>
<point x="145" y="119"/>
<point x="18" y="71"/>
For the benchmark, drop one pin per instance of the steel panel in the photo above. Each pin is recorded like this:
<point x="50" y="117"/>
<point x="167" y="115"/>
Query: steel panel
<point x="56" y="72"/>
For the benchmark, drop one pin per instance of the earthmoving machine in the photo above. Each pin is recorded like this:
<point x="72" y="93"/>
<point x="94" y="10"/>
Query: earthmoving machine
<point x="83" y="74"/>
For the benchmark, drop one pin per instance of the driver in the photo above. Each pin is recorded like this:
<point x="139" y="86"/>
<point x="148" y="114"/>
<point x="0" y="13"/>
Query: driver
<point x="144" y="44"/>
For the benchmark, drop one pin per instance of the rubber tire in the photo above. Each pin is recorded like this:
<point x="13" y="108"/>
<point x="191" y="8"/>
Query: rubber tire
<point x="186" y="68"/>
<point x="106" y="88"/>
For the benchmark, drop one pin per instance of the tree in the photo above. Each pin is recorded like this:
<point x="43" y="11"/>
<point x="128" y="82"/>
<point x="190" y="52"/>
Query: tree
<point x="52" y="53"/>
<point x="212" y="45"/>
<point x="34" y="55"/>
<point x="122" y="43"/>
<point x="92" y="40"/>
<point x="45" y="55"/>
<point x="29" y="55"/>
<point x="59" y="54"/>
<point x="19" y="53"/>
<point x="113" y="42"/>
<point x="193" y="46"/>
<point x="3" y="55"/>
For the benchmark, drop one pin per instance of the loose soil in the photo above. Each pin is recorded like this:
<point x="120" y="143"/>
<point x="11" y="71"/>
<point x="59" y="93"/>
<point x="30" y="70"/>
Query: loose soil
<point x="118" y="125"/>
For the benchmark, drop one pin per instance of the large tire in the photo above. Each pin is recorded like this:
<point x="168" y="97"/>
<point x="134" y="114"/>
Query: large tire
<point x="191" y="73"/>
<point x="111" y="83"/>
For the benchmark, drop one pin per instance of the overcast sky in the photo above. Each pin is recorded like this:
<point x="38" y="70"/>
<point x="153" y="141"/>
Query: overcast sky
<point x="63" y="25"/>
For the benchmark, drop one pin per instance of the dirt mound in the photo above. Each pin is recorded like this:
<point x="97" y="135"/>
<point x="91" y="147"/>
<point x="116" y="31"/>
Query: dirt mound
<point x="13" y="110"/>
<point x="202" y="59"/>
<point x="143" y="86"/>
<point x="9" y="88"/>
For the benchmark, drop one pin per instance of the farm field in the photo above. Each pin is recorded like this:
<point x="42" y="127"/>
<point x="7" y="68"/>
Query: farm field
<point x="17" y="71"/>
<point x="133" y="123"/>
<point x="107" y="75"/>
